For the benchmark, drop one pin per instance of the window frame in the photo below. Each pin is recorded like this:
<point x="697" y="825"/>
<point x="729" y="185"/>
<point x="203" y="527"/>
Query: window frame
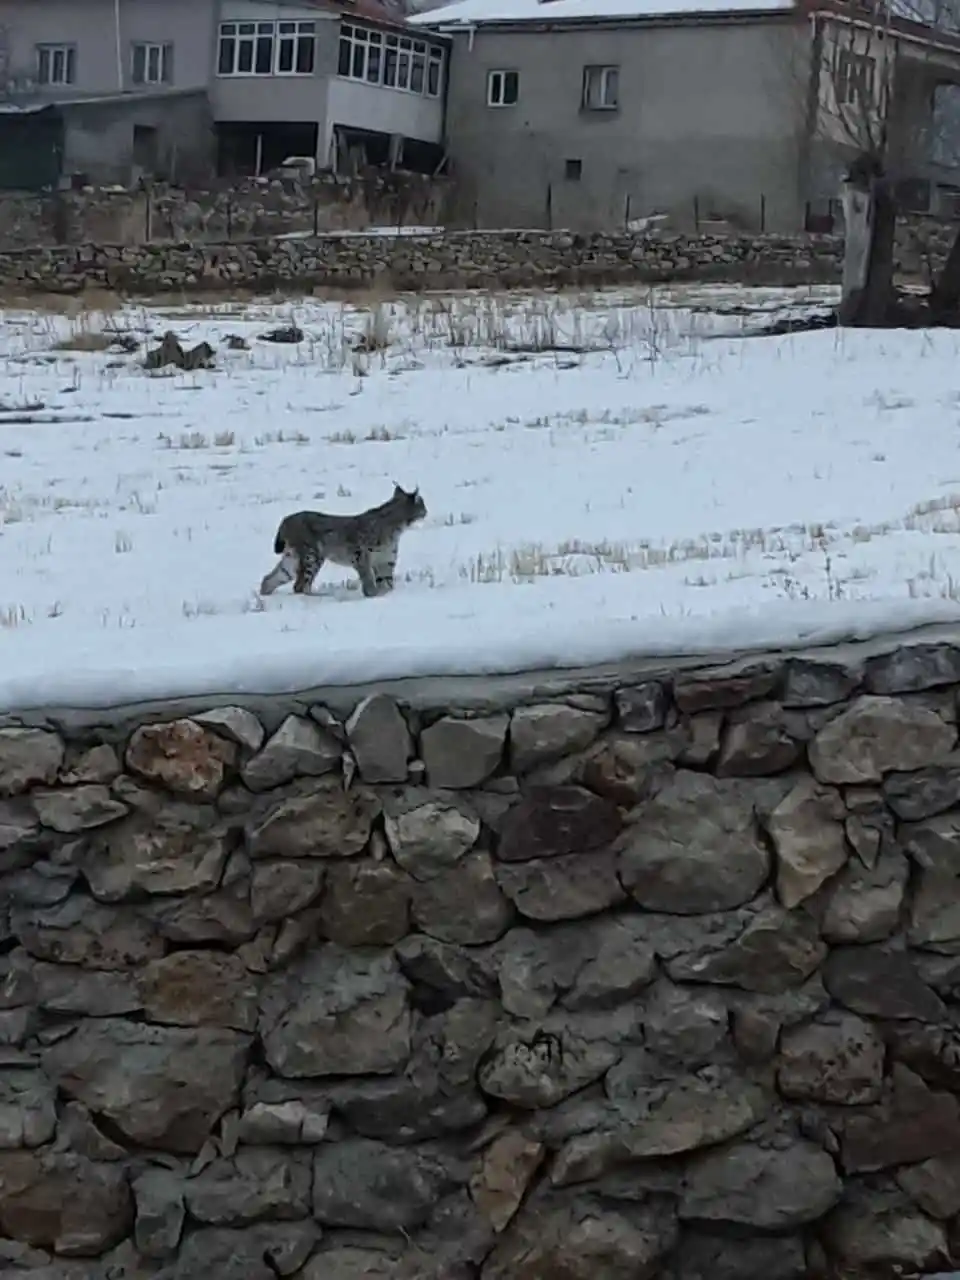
<point x="50" y="50"/>
<point x="300" y="36"/>
<point x="855" y="79"/>
<point x="436" y="61"/>
<point x="164" y="49"/>
<point x="389" y="60"/>
<point x="258" y="47"/>
<point x="500" y="76"/>
<point x="597" y="76"/>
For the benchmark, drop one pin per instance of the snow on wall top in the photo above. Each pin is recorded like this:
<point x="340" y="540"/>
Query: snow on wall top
<point x="481" y="11"/>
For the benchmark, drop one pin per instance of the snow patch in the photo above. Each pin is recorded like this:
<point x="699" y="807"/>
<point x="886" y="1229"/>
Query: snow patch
<point x="607" y="476"/>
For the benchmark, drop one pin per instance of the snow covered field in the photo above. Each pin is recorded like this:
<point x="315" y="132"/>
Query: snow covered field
<point x="605" y="476"/>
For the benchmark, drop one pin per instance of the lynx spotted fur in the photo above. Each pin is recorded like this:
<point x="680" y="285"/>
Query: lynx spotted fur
<point x="368" y="543"/>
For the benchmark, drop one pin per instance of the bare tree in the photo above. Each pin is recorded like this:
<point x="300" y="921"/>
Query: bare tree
<point x="872" y="82"/>
<point x="941" y="144"/>
<point x="856" y="86"/>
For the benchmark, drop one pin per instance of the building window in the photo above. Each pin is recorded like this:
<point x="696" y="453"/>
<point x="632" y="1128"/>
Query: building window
<point x="152" y="64"/>
<point x="855" y="79"/>
<point x="573" y="170"/>
<point x="56" y="64"/>
<point x="601" y="88"/>
<point x="296" y="48"/>
<point x="434" y="71"/>
<point x="267" y="49"/>
<point x="397" y="62"/>
<point x="503" y="88"/>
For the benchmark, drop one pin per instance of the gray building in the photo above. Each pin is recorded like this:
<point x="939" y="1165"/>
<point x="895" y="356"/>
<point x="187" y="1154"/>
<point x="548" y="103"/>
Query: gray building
<point x="343" y="83"/>
<point x="112" y="89"/>
<point x="599" y="113"/>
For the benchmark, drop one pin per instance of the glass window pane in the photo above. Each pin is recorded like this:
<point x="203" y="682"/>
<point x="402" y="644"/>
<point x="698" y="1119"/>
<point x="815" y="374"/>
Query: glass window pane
<point x="264" y="55"/>
<point x="417" y="67"/>
<point x="306" y="47"/>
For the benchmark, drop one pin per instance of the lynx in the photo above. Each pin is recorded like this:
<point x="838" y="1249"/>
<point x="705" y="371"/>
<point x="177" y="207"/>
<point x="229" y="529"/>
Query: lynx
<point x="367" y="543"/>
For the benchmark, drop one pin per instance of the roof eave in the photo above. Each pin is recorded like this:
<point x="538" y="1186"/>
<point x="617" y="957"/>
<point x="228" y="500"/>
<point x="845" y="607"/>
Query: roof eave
<point x="918" y="32"/>
<point x="731" y="16"/>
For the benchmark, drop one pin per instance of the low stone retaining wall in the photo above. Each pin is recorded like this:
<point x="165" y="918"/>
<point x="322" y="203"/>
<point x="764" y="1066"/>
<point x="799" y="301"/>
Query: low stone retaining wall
<point x="649" y="973"/>
<point x="455" y="260"/>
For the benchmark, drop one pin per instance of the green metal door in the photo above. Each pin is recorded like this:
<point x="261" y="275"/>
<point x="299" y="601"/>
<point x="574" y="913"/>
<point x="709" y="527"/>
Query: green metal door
<point x="31" y="149"/>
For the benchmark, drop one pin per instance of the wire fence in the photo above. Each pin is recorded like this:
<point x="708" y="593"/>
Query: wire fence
<point x="147" y="214"/>
<point x="382" y="202"/>
<point x="573" y="204"/>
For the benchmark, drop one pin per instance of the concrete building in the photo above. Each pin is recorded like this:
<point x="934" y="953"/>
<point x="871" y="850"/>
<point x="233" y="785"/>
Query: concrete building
<point x="111" y="89"/>
<point x="596" y="113"/>
<point x="342" y="83"/>
<point x="108" y="88"/>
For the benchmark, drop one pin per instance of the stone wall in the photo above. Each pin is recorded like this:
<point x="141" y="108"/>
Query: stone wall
<point x="234" y="237"/>
<point x="451" y="260"/>
<point x="653" y="973"/>
<point x="442" y="259"/>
